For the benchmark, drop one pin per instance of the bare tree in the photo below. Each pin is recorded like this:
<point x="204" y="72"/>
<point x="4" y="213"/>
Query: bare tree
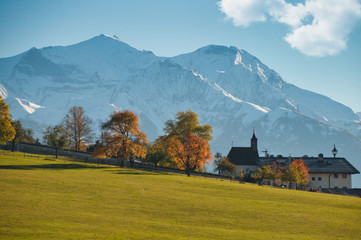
<point x="78" y="128"/>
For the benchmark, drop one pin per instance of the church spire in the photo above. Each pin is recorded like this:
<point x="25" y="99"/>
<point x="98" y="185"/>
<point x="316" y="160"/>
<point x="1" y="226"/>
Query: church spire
<point x="254" y="142"/>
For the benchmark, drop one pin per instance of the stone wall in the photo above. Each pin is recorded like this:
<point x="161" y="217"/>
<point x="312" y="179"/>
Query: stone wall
<point x="86" y="157"/>
<point x="45" y="150"/>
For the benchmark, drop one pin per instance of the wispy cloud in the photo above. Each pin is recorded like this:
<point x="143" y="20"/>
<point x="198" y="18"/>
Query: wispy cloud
<point x="318" y="27"/>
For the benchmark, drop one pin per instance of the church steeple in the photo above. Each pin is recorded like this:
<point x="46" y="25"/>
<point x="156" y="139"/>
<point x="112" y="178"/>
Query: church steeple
<point x="254" y="142"/>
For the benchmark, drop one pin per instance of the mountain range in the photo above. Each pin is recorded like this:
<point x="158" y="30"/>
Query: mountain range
<point x="228" y="88"/>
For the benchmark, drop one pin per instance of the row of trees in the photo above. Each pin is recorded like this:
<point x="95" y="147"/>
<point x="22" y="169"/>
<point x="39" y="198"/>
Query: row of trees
<point x="296" y="173"/>
<point x="74" y="132"/>
<point x="185" y="144"/>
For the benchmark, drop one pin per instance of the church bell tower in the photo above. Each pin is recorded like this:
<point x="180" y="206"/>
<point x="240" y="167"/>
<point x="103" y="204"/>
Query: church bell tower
<point x="254" y="143"/>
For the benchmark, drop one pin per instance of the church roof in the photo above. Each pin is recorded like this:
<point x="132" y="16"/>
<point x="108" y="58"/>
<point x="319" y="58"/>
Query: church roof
<point x="243" y="156"/>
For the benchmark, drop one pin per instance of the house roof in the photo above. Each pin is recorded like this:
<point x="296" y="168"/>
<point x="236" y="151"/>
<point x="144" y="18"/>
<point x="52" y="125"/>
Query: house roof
<point x="243" y="156"/>
<point x="317" y="165"/>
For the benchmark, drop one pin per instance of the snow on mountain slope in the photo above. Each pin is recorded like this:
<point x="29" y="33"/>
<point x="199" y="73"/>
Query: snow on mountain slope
<point x="247" y="78"/>
<point x="226" y="86"/>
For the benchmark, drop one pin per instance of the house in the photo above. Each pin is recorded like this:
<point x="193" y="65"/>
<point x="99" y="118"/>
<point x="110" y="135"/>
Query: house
<point x="324" y="172"/>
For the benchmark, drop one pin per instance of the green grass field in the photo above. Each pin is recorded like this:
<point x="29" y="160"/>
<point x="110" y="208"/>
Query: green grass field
<point x="63" y="199"/>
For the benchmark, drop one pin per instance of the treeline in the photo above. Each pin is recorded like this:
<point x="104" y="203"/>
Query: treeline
<point x="294" y="173"/>
<point x="184" y="146"/>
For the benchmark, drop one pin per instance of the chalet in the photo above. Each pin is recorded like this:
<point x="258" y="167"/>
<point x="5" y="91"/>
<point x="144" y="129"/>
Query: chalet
<point x="324" y="172"/>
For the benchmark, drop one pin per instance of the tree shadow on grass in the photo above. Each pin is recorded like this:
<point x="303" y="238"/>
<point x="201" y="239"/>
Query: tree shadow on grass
<point x="48" y="166"/>
<point x="137" y="172"/>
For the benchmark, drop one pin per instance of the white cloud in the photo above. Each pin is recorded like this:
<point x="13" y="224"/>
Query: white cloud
<point x="319" y="27"/>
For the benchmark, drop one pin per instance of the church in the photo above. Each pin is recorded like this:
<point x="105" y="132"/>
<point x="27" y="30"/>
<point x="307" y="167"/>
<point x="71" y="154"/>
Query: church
<point x="324" y="172"/>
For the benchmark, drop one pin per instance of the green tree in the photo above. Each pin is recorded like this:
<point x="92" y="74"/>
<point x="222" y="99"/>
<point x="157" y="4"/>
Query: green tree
<point x="7" y="131"/>
<point x="19" y="133"/>
<point x="29" y="136"/>
<point x="264" y="172"/>
<point x="55" y="137"/>
<point x="124" y="138"/>
<point x="157" y="152"/>
<point x="223" y="165"/>
<point x="78" y="128"/>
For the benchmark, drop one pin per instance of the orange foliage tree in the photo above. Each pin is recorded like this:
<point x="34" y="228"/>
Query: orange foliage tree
<point x="188" y="141"/>
<point x="191" y="154"/>
<point x="7" y="131"/>
<point x="123" y="138"/>
<point x="297" y="172"/>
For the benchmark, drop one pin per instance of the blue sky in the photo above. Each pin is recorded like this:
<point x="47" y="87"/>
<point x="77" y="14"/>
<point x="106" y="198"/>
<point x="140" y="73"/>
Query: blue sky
<point x="327" y="62"/>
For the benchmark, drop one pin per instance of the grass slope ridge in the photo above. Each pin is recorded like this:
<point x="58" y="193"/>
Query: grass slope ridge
<point x="62" y="199"/>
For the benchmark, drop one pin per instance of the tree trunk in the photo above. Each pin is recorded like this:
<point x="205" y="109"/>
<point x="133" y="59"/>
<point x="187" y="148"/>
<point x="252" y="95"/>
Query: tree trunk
<point x="56" y="152"/>
<point x="13" y="146"/>
<point x="188" y="169"/>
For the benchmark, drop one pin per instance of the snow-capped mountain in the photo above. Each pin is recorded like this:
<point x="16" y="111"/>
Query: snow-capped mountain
<point x="227" y="87"/>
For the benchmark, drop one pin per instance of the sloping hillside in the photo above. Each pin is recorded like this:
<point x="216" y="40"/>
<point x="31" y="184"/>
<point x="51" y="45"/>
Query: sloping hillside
<point x="42" y="198"/>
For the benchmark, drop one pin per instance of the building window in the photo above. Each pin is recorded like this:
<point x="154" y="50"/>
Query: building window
<point x="319" y="178"/>
<point x="344" y="175"/>
<point x="335" y="175"/>
<point x="313" y="178"/>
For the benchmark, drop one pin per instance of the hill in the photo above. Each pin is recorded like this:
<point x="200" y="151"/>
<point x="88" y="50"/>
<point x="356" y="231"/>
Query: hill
<point x="43" y="198"/>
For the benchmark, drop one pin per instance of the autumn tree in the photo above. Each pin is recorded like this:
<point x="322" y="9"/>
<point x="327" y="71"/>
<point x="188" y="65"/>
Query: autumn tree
<point x="223" y="165"/>
<point x="187" y="122"/>
<point x="78" y="128"/>
<point x="188" y="141"/>
<point x="297" y="173"/>
<point x="190" y="152"/>
<point x="55" y="137"/>
<point x="157" y="152"/>
<point x="124" y="138"/>
<point x="7" y="132"/>
<point x="241" y="175"/>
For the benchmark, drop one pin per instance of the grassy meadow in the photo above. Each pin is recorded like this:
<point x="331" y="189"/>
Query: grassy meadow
<point x="44" y="198"/>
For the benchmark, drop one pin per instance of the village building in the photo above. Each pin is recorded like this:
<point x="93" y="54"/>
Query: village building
<point x="324" y="172"/>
